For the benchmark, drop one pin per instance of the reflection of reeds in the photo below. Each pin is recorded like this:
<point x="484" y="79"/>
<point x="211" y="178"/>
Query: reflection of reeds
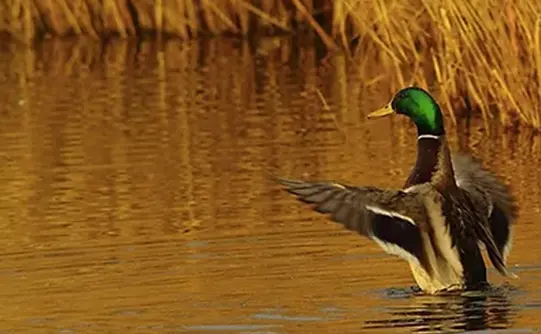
<point x="173" y="136"/>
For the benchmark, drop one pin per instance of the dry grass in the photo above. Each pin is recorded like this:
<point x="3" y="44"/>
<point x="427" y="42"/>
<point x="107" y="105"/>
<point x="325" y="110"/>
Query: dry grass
<point x="483" y="53"/>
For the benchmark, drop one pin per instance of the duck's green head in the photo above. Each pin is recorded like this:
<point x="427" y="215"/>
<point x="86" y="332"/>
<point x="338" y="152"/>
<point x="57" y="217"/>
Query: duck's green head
<point x="417" y="104"/>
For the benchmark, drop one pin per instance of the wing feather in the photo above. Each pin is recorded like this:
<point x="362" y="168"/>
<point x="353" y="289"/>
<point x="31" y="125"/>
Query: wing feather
<point x="488" y="192"/>
<point x="391" y="218"/>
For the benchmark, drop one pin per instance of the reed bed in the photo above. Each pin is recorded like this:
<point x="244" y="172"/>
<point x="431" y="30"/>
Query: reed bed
<point x="481" y="55"/>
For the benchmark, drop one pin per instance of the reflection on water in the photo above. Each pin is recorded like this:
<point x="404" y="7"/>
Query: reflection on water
<point x="453" y="312"/>
<point x="135" y="195"/>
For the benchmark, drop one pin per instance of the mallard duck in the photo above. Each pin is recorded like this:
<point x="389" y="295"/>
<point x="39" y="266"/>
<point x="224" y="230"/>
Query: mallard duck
<point x="447" y="210"/>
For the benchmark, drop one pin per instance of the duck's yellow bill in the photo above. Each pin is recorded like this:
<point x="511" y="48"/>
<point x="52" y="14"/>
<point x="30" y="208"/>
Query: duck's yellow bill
<point x="387" y="110"/>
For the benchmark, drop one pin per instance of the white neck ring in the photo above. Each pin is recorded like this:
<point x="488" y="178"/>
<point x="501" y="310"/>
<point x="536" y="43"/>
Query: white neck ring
<point x="428" y="136"/>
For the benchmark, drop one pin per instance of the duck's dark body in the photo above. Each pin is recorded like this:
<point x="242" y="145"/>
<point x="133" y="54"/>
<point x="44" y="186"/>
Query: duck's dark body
<point x="466" y="204"/>
<point x="436" y="225"/>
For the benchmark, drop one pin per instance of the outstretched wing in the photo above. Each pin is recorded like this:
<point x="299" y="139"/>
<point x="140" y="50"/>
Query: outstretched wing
<point x="393" y="219"/>
<point x="489" y="192"/>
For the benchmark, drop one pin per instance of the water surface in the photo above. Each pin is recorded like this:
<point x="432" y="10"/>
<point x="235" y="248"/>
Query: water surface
<point x="135" y="195"/>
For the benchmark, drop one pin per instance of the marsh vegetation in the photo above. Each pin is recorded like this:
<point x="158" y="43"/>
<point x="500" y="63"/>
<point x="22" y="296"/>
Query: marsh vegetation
<point x="483" y="55"/>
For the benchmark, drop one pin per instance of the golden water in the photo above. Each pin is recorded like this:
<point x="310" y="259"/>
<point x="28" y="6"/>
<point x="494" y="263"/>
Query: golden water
<point x="135" y="195"/>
